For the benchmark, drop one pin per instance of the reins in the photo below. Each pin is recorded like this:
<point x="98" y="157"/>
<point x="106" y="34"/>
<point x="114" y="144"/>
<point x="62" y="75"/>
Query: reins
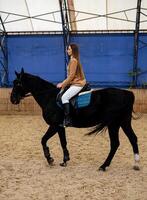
<point x="37" y="93"/>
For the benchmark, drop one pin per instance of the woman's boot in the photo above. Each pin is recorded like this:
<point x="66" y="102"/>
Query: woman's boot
<point x="67" y="120"/>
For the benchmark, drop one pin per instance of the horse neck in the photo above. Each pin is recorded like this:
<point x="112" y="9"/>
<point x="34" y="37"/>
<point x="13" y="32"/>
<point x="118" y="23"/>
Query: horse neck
<point x="42" y="91"/>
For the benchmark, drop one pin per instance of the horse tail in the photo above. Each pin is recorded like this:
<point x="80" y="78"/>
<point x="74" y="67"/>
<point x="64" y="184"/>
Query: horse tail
<point x="136" y="115"/>
<point x="101" y="127"/>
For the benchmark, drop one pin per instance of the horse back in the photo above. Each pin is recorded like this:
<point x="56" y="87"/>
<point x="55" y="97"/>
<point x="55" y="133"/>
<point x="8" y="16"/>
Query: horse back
<point x="114" y="98"/>
<point x="106" y="106"/>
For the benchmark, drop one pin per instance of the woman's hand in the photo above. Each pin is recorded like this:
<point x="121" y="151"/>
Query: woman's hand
<point x="59" y="85"/>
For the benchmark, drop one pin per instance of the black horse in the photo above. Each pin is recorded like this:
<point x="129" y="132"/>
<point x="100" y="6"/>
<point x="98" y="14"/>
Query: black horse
<point x="109" y="108"/>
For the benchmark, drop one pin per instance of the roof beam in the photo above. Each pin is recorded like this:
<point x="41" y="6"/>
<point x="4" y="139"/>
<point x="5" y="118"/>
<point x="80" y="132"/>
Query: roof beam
<point x="72" y="16"/>
<point x="29" y="15"/>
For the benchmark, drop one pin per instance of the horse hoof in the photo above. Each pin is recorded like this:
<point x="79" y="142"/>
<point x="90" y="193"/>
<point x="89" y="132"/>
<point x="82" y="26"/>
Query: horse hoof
<point x="66" y="159"/>
<point x="50" y="161"/>
<point x="64" y="164"/>
<point x="135" y="167"/>
<point x="102" y="169"/>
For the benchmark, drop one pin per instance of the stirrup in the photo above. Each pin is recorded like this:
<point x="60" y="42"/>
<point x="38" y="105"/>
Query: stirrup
<point x="67" y="123"/>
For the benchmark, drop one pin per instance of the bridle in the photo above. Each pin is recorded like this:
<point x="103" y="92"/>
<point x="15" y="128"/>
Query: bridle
<point x="19" y="84"/>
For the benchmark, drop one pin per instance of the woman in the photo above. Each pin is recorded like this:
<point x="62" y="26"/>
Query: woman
<point x="75" y="80"/>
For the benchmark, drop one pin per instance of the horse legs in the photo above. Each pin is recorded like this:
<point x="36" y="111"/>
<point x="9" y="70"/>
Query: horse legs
<point x="114" y="144"/>
<point x="127" y="128"/>
<point x="62" y="136"/>
<point x="50" y="132"/>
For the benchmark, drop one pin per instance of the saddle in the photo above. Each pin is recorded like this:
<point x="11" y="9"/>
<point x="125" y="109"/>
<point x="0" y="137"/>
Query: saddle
<point x="82" y="99"/>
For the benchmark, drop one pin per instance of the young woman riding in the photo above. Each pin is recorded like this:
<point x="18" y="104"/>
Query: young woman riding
<point x="75" y="80"/>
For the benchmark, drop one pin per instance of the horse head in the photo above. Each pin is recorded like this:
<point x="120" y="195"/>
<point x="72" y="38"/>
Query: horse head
<point x="18" y="91"/>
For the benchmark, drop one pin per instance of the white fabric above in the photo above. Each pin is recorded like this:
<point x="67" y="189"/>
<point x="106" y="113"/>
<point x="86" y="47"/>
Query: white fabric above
<point x="44" y="15"/>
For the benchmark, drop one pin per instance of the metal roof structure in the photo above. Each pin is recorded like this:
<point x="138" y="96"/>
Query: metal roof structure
<point x="83" y="15"/>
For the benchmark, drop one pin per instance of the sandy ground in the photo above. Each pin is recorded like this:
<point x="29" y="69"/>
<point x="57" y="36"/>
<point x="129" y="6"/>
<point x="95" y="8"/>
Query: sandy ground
<point x="25" y="174"/>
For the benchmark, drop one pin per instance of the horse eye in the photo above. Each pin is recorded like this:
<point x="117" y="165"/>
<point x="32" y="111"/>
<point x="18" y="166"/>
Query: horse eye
<point x="16" y="83"/>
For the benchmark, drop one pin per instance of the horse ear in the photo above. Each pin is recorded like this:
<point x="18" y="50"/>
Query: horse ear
<point x="16" y="73"/>
<point x="22" y="70"/>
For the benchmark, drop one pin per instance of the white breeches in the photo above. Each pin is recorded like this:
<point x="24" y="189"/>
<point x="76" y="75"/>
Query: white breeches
<point x="72" y="91"/>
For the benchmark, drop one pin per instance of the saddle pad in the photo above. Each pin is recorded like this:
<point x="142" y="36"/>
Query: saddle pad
<point x="83" y="99"/>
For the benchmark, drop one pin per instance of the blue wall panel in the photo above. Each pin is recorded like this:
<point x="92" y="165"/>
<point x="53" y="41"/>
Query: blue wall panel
<point x="142" y="59"/>
<point x="107" y="59"/>
<point x="39" y="55"/>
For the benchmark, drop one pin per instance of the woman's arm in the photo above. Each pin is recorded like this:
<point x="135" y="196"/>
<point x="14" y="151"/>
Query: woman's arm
<point x="72" y="72"/>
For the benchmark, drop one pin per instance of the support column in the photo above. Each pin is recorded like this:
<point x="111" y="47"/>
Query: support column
<point x="65" y="26"/>
<point x="136" y="41"/>
<point x="3" y="57"/>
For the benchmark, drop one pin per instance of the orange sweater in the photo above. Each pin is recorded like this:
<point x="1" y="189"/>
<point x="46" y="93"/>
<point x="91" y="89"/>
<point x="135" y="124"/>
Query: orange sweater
<point x="75" y="75"/>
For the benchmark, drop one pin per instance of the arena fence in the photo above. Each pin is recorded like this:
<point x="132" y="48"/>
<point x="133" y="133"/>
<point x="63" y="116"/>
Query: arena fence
<point x="30" y="107"/>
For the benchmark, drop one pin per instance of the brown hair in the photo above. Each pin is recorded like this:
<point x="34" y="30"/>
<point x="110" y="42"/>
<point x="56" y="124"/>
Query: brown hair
<point x="75" y="53"/>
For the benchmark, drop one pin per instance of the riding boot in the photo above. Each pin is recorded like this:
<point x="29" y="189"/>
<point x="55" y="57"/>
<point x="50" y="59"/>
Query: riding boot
<point x="67" y="120"/>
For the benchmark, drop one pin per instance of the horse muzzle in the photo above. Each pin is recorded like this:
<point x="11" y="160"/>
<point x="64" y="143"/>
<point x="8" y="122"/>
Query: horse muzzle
<point x="14" y="100"/>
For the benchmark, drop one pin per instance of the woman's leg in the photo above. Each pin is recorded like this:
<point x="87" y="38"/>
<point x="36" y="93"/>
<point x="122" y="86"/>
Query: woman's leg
<point x="72" y="91"/>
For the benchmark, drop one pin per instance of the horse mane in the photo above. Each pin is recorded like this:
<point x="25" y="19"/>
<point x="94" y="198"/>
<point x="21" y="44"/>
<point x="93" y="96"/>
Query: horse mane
<point x="40" y="82"/>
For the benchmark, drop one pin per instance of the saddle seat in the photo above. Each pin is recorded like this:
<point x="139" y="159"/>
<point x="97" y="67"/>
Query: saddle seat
<point x="82" y="99"/>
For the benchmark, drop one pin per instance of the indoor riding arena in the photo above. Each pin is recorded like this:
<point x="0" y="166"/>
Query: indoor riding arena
<point x="112" y="40"/>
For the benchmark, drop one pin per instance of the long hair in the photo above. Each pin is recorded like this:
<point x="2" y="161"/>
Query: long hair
<point x="76" y="54"/>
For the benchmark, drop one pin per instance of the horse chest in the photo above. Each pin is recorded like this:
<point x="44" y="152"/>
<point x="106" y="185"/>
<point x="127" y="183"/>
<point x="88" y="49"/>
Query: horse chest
<point x="52" y="115"/>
